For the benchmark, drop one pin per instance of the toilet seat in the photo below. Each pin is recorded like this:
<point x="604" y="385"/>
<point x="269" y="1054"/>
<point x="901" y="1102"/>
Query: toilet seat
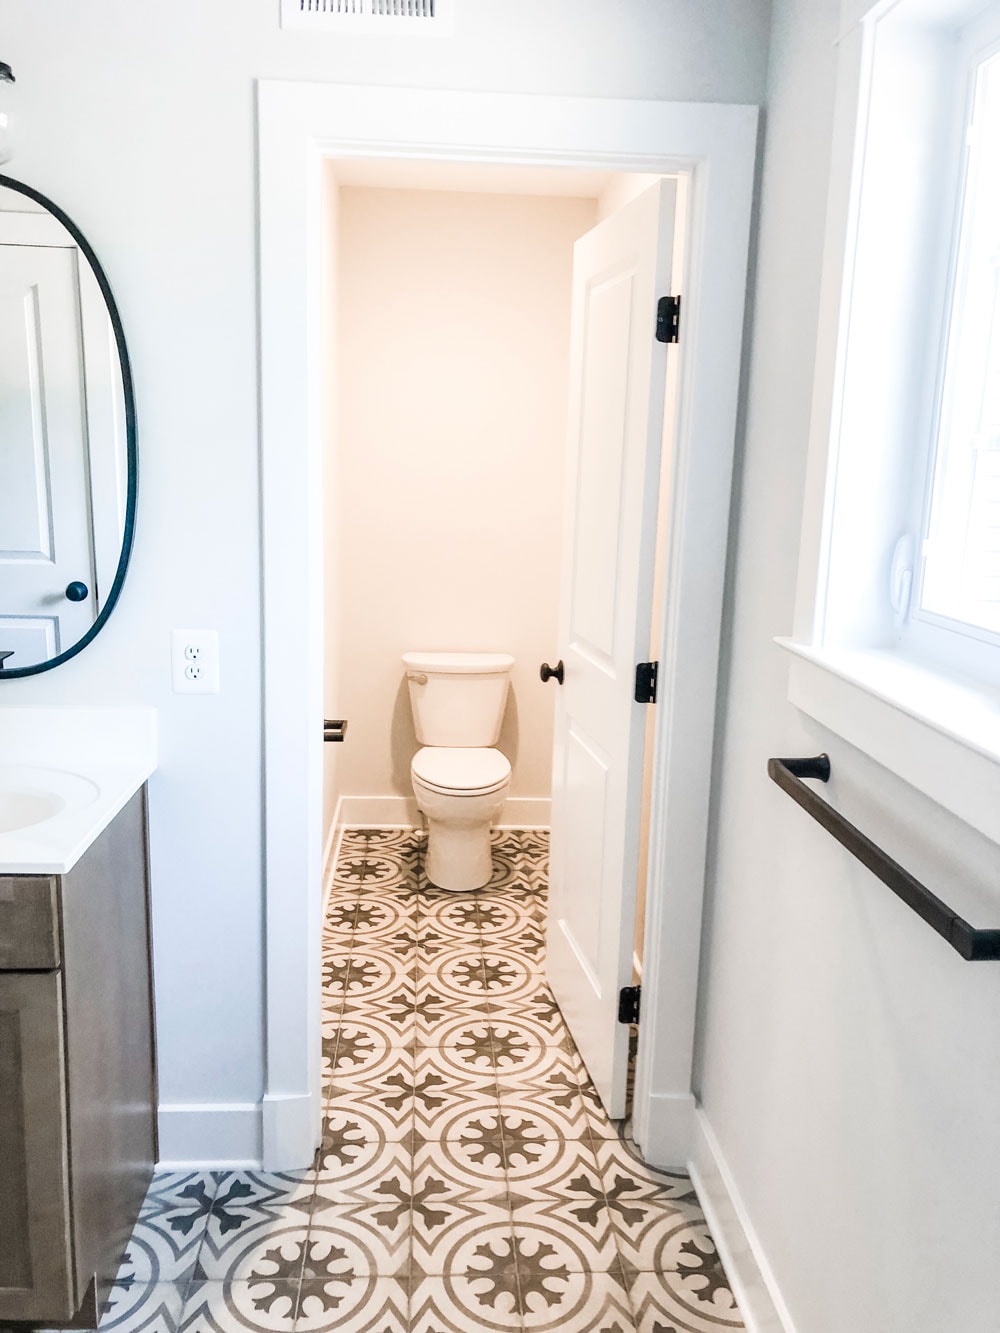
<point x="454" y="771"/>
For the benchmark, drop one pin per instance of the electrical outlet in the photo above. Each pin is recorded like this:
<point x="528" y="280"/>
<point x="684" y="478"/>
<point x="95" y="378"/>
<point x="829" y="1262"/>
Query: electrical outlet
<point x="194" y="656"/>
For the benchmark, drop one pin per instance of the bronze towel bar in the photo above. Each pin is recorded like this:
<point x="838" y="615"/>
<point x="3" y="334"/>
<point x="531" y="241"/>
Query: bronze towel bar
<point x="974" y="945"/>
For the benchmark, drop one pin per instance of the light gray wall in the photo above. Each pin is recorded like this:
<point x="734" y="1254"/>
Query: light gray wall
<point x="849" y="1061"/>
<point x="138" y="120"/>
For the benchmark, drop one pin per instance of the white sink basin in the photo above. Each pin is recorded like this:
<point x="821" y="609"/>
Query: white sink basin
<point x="30" y="795"/>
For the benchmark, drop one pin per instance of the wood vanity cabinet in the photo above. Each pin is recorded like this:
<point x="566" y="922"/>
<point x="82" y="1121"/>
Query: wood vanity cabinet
<point x="77" y="1080"/>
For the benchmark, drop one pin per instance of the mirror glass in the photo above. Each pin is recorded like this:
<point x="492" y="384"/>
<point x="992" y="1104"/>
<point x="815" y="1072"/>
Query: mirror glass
<point x="67" y="437"/>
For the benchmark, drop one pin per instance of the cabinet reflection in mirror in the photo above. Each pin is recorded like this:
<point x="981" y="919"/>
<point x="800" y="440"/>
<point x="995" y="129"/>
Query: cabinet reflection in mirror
<point x="67" y="437"/>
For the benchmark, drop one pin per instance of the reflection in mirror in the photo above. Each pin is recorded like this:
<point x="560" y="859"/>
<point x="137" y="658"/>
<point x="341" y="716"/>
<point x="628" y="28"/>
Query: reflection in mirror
<point x="67" y="458"/>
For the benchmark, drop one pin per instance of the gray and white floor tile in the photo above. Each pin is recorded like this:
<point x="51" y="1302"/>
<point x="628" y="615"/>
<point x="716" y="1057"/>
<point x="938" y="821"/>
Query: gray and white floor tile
<point x="468" y="1177"/>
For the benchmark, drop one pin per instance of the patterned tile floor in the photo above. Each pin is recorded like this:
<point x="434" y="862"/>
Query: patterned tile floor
<point x="468" y="1178"/>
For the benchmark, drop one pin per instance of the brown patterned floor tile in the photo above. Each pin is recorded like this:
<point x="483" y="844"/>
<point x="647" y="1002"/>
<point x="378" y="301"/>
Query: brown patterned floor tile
<point x="540" y="1165"/>
<point x="689" y="1302"/>
<point x="336" y="971"/>
<point x="538" y="1006"/>
<point x="273" y="1251"/>
<point x="622" y="1157"/>
<point x="655" y="1226"/>
<point x="466" y="1032"/>
<point x="378" y="916"/>
<point x="548" y="1091"/>
<point x="457" y="972"/>
<point x="435" y="1011"/>
<point x="442" y="1087"/>
<point x="257" y="1305"/>
<point x="371" y="1229"/>
<point x="477" y="1240"/>
<point x="353" y="1305"/>
<point x="384" y="1101"/>
<point x="559" y="1301"/>
<point x="347" y="1164"/>
<point x="578" y="1237"/>
<point x="469" y="1155"/>
<point x="340" y="916"/>
<point x="448" y="1224"/>
<point x="370" y="1238"/>
<point x="466" y="1303"/>
<point x="453" y="917"/>
<point x="396" y="1011"/>
<point x="375" y="973"/>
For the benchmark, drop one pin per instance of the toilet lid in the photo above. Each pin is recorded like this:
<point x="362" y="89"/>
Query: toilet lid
<point x="447" y="768"/>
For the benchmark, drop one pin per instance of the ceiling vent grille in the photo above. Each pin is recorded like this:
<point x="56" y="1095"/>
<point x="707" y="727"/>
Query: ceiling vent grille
<point x="427" y="17"/>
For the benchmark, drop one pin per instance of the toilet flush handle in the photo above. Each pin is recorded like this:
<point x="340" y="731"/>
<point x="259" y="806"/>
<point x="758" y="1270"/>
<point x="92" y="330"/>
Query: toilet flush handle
<point x="548" y="673"/>
<point x="418" y="677"/>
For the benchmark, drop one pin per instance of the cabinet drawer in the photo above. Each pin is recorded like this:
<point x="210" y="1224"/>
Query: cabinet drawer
<point x="29" y="923"/>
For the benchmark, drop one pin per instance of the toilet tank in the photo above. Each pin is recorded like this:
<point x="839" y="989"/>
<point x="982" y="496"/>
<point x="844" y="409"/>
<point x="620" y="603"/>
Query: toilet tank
<point x="458" y="698"/>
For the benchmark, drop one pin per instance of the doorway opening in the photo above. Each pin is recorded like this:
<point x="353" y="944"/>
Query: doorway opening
<point x="300" y="126"/>
<point x="447" y="299"/>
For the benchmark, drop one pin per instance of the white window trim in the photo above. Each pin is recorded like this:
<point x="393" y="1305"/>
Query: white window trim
<point x="939" y="734"/>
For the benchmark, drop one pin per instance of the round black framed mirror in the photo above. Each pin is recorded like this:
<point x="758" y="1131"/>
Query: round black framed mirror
<point x="68" y="455"/>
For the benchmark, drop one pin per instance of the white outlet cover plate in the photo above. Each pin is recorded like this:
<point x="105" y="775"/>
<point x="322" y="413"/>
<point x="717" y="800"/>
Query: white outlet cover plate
<point x="206" y="642"/>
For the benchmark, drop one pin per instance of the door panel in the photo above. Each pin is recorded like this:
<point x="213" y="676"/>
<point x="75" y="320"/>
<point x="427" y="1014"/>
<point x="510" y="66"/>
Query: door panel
<point x="26" y="500"/>
<point x="617" y="390"/>
<point x="601" y="461"/>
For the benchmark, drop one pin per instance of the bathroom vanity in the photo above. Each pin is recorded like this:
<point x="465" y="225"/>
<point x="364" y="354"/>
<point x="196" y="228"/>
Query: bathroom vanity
<point x="77" y="1069"/>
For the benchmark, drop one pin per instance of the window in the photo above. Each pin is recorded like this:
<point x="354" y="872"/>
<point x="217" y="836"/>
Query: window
<point x="961" y="550"/>
<point x="896" y="639"/>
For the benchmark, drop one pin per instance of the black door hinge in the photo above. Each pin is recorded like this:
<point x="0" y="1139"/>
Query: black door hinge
<point x="668" y="319"/>
<point x="645" y="682"/>
<point x="628" y="1004"/>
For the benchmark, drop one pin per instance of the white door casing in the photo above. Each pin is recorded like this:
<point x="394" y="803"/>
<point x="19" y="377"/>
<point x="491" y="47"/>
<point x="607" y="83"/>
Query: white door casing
<point x="45" y="521"/>
<point x="714" y="147"/>
<point x="615" y="434"/>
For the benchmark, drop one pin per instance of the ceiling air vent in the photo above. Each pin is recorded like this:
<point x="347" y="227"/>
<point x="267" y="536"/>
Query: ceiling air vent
<point x="432" y="18"/>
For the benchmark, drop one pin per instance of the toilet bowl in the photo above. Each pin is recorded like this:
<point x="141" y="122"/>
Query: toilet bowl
<point x="461" y="792"/>
<point x="459" y="780"/>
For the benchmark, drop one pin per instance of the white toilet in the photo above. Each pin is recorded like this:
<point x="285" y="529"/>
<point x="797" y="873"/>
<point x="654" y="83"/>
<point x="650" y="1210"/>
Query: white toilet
<point x="459" y="780"/>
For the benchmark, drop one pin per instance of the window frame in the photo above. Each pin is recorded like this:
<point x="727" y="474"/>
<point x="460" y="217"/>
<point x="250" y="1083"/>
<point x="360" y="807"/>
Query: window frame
<point x="923" y="715"/>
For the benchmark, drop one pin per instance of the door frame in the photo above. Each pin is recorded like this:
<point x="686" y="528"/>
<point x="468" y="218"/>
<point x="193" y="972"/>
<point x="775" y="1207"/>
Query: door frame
<point x="299" y="125"/>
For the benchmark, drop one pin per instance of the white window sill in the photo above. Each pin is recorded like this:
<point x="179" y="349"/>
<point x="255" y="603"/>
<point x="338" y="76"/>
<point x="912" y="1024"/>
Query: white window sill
<point x="939" y="735"/>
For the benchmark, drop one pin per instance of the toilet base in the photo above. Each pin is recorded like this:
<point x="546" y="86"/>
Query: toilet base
<point x="459" y="856"/>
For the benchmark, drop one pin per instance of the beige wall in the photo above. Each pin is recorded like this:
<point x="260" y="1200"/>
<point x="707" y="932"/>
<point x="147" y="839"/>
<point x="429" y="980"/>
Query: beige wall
<point x="453" y="333"/>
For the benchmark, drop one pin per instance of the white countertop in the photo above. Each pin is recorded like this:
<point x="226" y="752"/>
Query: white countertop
<point x="43" y="749"/>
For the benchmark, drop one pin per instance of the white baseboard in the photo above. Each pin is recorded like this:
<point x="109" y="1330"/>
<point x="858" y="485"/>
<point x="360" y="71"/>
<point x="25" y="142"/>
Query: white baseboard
<point x="526" y="812"/>
<point x="663" y="1128"/>
<point x="402" y="812"/>
<point x="332" y="845"/>
<point x="375" y="811"/>
<point x="291" y="1132"/>
<point x="750" y="1276"/>
<point x="212" y="1136"/>
<point x="331" y="851"/>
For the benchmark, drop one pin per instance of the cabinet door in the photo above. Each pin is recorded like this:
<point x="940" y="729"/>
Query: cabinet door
<point x="35" y="1271"/>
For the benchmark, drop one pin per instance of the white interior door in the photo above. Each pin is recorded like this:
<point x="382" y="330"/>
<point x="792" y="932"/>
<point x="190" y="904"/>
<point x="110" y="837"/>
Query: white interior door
<point x="45" y="526"/>
<point x="617" y="391"/>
